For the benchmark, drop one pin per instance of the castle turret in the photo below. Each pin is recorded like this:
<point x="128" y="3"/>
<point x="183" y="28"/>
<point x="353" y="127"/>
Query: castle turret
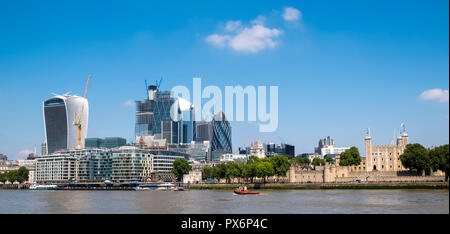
<point x="368" y="144"/>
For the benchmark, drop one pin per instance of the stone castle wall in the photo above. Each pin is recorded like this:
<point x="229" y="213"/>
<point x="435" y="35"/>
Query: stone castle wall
<point x="340" y="174"/>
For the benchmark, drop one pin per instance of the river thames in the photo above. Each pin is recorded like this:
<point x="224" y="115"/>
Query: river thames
<point x="225" y="202"/>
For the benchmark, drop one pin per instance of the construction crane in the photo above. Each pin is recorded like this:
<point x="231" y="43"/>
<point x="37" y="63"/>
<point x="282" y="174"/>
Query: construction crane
<point x="158" y="84"/>
<point x="77" y="121"/>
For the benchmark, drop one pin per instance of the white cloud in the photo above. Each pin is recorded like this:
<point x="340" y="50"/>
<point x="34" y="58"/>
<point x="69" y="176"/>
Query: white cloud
<point x="254" y="39"/>
<point x="259" y="20"/>
<point x="233" y="25"/>
<point x="128" y="103"/>
<point x="218" y="40"/>
<point x="249" y="40"/>
<point x="291" y="14"/>
<point x="24" y="153"/>
<point x="435" y="95"/>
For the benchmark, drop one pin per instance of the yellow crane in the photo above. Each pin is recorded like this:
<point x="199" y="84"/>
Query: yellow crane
<point x="77" y="121"/>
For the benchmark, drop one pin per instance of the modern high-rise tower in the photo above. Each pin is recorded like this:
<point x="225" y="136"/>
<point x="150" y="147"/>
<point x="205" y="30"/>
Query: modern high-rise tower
<point x="153" y="118"/>
<point x="60" y="133"/>
<point x="220" y="136"/>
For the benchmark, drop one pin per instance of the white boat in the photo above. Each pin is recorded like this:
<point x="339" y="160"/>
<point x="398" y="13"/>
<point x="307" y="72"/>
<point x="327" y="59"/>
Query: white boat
<point x="165" y="186"/>
<point x="44" y="187"/>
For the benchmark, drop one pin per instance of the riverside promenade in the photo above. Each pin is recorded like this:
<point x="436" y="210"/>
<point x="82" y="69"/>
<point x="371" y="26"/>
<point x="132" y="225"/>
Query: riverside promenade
<point x="293" y="186"/>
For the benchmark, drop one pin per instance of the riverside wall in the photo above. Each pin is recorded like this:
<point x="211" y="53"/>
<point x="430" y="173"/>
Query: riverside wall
<point x="345" y="174"/>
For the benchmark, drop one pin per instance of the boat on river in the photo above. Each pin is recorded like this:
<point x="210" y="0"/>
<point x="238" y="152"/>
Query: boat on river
<point x="165" y="186"/>
<point x="244" y="191"/>
<point x="44" y="187"/>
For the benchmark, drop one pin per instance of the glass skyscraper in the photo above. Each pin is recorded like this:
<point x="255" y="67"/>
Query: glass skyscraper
<point x="220" y="137"/>
<point x="153" y="118"/>
<point x="60" y="133"/>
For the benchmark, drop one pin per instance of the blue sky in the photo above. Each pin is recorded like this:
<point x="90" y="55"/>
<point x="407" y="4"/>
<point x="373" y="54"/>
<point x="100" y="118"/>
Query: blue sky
<point x="341" y="66"/>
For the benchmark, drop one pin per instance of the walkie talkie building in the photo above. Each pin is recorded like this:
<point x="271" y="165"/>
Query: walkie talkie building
<point x="60" y="133"/>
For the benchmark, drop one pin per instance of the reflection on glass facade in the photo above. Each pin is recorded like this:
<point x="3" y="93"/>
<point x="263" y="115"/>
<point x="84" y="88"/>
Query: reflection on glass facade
<point x="55" y="124"/>
<point x="203" y="130"/>
<point x="60" y="132"/>
<point x="221" y="136"/>
<point x="163" y="103"/>
<point x="144" y="117"/>
<point x="95" y="165"/>
<point x="153" y="118"/>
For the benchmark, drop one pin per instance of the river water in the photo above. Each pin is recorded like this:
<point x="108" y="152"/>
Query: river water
<point x="225" y="202"/>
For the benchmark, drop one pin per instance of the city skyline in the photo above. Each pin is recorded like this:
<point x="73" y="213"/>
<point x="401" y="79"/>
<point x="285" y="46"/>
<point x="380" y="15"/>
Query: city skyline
<point x="339" y="72"/>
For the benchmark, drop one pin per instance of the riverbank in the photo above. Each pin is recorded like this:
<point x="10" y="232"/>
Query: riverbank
<point x="312" y="186"/>
<point x="435" y="185"/>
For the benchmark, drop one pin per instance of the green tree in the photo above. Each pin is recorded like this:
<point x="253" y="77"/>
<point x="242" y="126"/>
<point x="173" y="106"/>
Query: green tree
<point x="244" y="169"/>
<point x="318" y="162"/>
<point x="12" y="176"/>
<point x="232" y="170"/>
<point x="3" y="177"/>
<point x="301" y="160"/>
<point x="220" y="171"/>
<point x="181" y="167"/>
<point x="439" y="159"/>
<point x="264" y="169"/>
<point x="416" y="157"/>
<point x="253" y="159"/>
<point x="350" y="157"/>
<point x="22" y="174"/>
<point x="207" y="172"/>
<point x="329" y="159"/>
<point x="280" y="165"/>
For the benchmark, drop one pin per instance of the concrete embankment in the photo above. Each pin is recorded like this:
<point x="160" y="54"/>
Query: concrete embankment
<point x="14" y="186"/>
<point x="437" y="185"/>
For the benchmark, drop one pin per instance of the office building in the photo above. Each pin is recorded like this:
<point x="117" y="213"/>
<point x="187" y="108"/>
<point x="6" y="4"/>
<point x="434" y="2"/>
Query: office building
<point x="257" y="149"/>
<point x="95" y="165"/>
<point x="203" y="131"/>
<point x="44" y="150"/>
<point x="196" y="150"/>
<point x="220" y="137"/>
<point x="114" y="142"/>
<point x="327" y="146"/>
<point x="94" y="143"/>
<point x="59" y="116"/>
<point x="233" y="158"/>
<point x="108" y="142"/>
<point x="124" y="164"/>
<point x="59" y="167"/>
<point x="153" y="117"/>
<point x="273" y="149"/>
<point x="245" y="150"/>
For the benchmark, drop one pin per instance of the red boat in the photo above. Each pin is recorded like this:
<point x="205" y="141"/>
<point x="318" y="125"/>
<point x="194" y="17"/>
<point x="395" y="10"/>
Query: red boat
<point x="245" y="192"/>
